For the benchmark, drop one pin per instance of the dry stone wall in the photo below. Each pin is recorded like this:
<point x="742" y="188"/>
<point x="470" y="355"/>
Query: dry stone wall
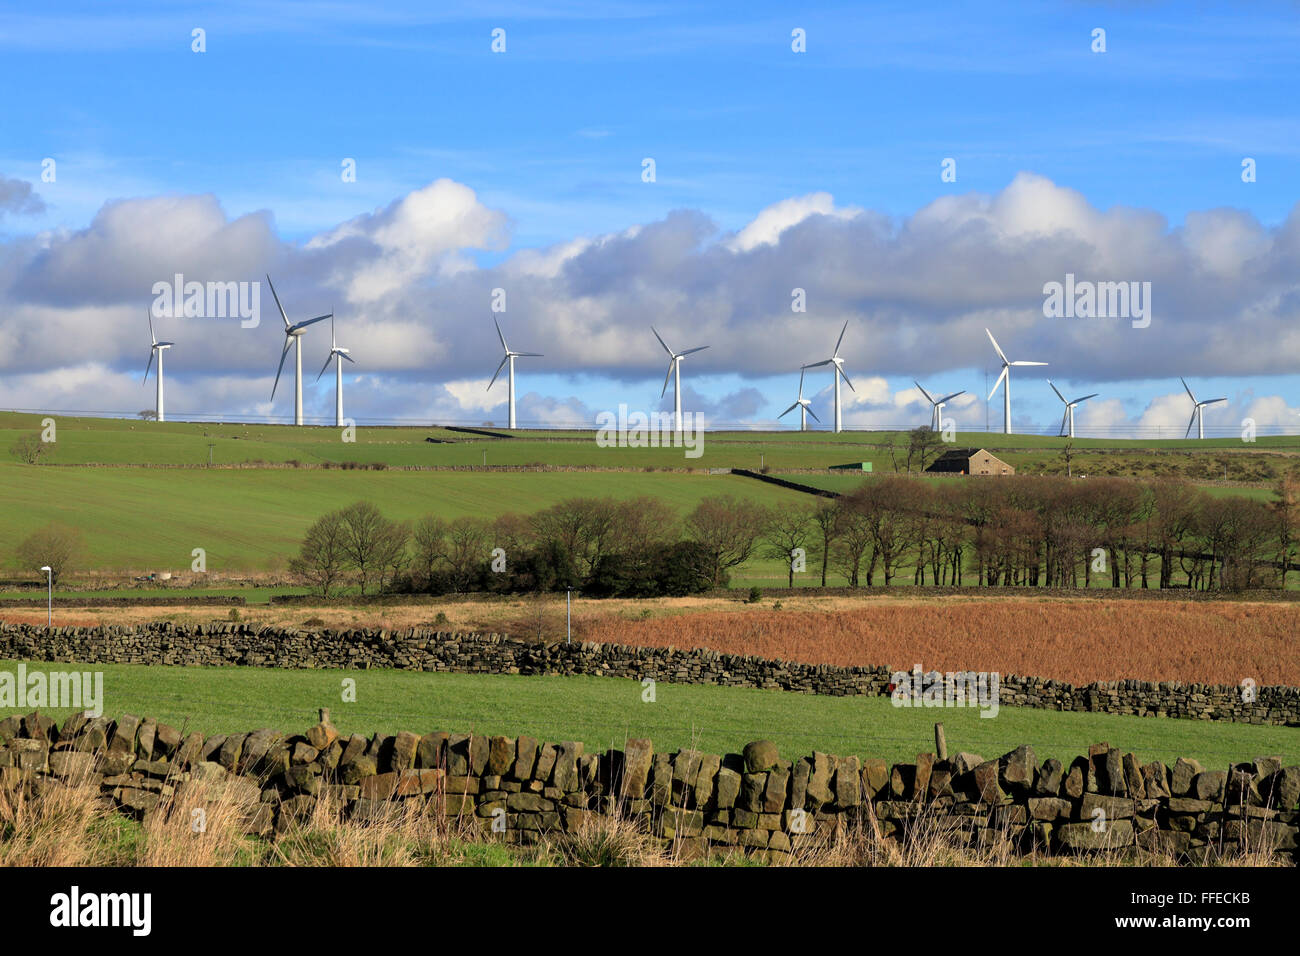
<point x="221" y="644"/>
<point x="520" y="789"/>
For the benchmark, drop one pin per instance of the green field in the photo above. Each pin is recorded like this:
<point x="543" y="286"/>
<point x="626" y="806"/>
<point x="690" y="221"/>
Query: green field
<point x="125" y="441"/>
<point x="147" y="518"/>
<point x="250" y="519"/>
<point x="603" y="712"/>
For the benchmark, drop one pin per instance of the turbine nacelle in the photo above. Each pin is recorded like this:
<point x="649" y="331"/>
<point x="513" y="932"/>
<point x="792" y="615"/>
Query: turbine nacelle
<point x="1198" y="411"/>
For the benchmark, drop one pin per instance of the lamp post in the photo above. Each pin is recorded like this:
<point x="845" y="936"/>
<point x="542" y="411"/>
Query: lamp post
<point x="49" y="595"/>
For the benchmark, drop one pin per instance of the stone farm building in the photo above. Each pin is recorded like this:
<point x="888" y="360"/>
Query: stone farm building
<point x="970" y="461"/>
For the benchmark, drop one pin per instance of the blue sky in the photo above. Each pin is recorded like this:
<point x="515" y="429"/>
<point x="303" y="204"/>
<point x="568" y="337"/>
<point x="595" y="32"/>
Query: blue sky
<point x="551" y="135"/>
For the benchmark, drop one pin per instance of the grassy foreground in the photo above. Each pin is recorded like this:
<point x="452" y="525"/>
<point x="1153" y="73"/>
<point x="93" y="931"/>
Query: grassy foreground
<point x="603" y="712"/>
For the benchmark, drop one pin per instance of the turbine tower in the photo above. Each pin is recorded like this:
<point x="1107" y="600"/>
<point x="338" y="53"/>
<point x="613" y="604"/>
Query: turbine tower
<point x="509" y="360"/>
<point x="156" y="348"/>
<point x="675" y="373"/>
<point x="337" y="354"/>
<point x="1198" y="410"/>
<point x="293" y="336"/>
<point x="1006" y="375"/>
<point x="803" y="405"/>
<point x="838" y="372"/>
<point x="936" y="407"/>
<point x="1068" y="418"/>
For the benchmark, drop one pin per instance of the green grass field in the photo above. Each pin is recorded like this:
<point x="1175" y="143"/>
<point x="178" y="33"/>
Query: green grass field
<point x="126" y="441"/>
<point x="245" y="518"/>
<point x="603" y="712"/>
<point x="137" y="518"/>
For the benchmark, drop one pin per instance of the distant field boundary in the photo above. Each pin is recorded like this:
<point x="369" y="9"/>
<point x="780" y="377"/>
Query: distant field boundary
<point x="187" y="601"/>
<point x="421" y="649"/>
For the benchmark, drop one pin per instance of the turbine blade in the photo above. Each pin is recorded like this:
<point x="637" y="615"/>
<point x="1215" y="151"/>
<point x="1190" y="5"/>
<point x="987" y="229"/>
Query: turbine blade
<point x="1085" y="398"/>
<point x="1057" y="391"/>
<point x="504" y="347"/>
<point x="1186" y="389"/>
<point x="1214" y="401"/>
<point x="277" y="301"/>
<point x="1191" y="421"/>
<point x="326" y="365"/>
<point x="996" y="347"/>
<point x="319" y="318"/>
<point x="147" y="366"/>
<point x="528" y="355"/>
<point x="1026" y="363"/>
<point x="998" y="382"/>
<point x="1064" y="419"/>
<point x="334" y="343"/>
<point x="661" y="340"/>
<point x="497" y="372"/>
<point x="788" y="410"/>
<point x="153" y="339"/>
<point x="846" y="378"/>
<point x="927" y="395"/>
<point x="947" y="398"/>
<point x="816" y="364"/>
<point x="691" y="351"/>
<point x="814" y="415"/>
<point x="840" y="340"/>
<point x="672" y="362"/>
<point x="348" y="357"/>
<point x="287" y="342"/>
<point x="801" y="374"/>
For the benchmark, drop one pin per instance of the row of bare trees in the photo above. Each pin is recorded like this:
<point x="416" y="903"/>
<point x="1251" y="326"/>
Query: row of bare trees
<point x="1048" y="532"/>
<point x="1014" y="531"/>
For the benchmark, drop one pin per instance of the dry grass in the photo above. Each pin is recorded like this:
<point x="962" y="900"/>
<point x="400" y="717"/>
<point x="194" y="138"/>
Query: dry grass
<point x="72" y="826"/>
<point x="1076" y="641"/>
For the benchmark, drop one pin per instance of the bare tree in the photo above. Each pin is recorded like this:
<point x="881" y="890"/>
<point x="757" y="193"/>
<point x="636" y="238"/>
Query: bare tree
<point x="321" y="558"/>
<point x="55" y="545"/>
<point x="368" y="541"/>
<point x="28" y="449"/>
<point x="428" y="545"/>
<point x="826" y="516"/>
<point x="467" y="551"/>
<point x="728" y="530"/>
<point x="787" y="530"/>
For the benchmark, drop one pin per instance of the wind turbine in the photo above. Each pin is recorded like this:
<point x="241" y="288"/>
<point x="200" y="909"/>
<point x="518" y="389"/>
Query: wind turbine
<point x="838" y="371"/>
<point x="341" y="354"/>
<point x="1068" y="417"/>
<point x="675" y="373"/>
<point x="509" y="360"/>
<point x="1198" y="410"/>
<point x="156" y="348"/>
<point x="1006" y="375"/>
<point x="803" y="405"/>
<point x="936" y="407"/>
<point x="293" y="336"/>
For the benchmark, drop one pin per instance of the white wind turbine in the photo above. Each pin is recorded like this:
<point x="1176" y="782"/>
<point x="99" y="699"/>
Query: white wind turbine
<point x="156" y="348"/>
<point x="293" y="336"/>
<point x="936" y="407"/>
<point x="337" y="354"/>
<point x="838" y="372"/>
<point x="675" y="373"/>
<point x="803" y="405"/>
<point x="1068" y="418"/>
<point x="1198" y="411"/>
<point x="509" y="359"/>
<point x="1006" y="375"/>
